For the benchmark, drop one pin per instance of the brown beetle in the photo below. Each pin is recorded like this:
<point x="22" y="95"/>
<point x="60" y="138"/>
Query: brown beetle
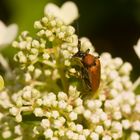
<point x="91" y="68"/>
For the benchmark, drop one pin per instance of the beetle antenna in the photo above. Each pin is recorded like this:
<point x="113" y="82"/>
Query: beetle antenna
<point x="79" y="45"/>
<point x="97" y="57"/>
<point x="87" y="51"/>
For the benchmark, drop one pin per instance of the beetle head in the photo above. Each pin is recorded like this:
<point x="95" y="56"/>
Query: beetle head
<point x="80" y="53"/>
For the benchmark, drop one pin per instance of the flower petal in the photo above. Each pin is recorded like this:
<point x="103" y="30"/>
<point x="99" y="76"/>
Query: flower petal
<point x="69" y="12"/>
<point x="7" y="34"/>
<point x="2" y="32"/>
<point x="53" y="9"/>
<point x="137" y="48"/>
<point x="11" y="33"/>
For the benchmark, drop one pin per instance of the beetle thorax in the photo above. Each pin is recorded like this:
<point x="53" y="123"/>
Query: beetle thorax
<point x="89" y="60"/>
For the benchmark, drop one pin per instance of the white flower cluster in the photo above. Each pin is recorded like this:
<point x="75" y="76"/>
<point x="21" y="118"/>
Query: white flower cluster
<point x="39" y="58"/>
<point x="47" y="103"/>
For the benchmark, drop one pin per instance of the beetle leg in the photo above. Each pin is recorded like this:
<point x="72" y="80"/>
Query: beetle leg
<point x="85" y="79"/>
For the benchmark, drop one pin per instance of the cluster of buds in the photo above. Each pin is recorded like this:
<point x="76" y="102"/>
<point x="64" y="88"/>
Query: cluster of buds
<point x="47" y="102"/>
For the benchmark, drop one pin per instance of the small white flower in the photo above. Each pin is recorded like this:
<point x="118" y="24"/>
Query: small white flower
<point x="62" y="96"/>
<point x="18" y="117"/>
<point x="31" y="68"/>
<point x="48" y="33"/>
<point x="62" y="104"/>
<point x="61" y="132"/>
<point x="72" y="126"/>
<point x="34" y="51"/>
<point x="91" y="104"/>
<point x="21" y="56"/>
<point x="72" y="70"/>
<point x="6" y="134"/>
<point x="37" y="73"/>
<point x="126" y="68"/>
<point x="62" y="119"/>
<point x="86" y="132"/>
<point x="137" y="48"/>
<point x="117" y="85"/>
<point x="79" y="128"/>
<point x="126" y="124"/>
<point x="48" y="133"/>
<point x="81" y="137"/>
<point x="106" y="137"/>
<point x="70" y="30"/>
<point x="32" y="57"/>
<point x="47" y="72"/>
<point x="95" y="118"/>
<point x="19" y="102"/>
<point x="113" y="93"/>
<point x="27" y="77"/>
<point x="134" y="136"/>
<point x="99" y="129"/>
<point x="116" y="126"/>
<point x="37" y="25"/>
<point x="73" y="116"/>
<point x="67" y="63"/>
<point x="46" y="56"/>
<point x="27" y="95"/>
<point x="55" y="114"/>
<point x="73" y="91"/>
<point x="69" y="108"/>
<point x="79" y="109"/>
<point x="18" y="130"/>
<point x="98" y="103"/>
<point x="7" y="33"/>
<point x="116" y="136"/>
<point x="136" y="125"/>
<point x="57" y="124"/>
<point x="107" y="123"/>
<point x="54" y="138"/>
<point x="103" y="116"/>
<point x="45" y="123"/>
<point x="118" y="62"/>
<point x="69" y="134"/>
<point x="94" y="136"/>
<point x="137" y="108"/>
<point x="14" y="111"/>
<point x="86" y="44"/>
<point x="87" y="114"/>
<point x="113" y="75"/>
<point x="67" y="13"/>
<point x="126" y="108"/>
<point x="35" y="43"/>
<point x="38" y="112"/>
<point x="117" y="115"/>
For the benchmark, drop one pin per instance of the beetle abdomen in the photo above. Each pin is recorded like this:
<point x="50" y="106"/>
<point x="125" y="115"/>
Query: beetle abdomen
<point x="94" y="75"/>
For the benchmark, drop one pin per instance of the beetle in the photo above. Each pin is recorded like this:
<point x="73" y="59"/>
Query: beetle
<point x="91" y="69"/>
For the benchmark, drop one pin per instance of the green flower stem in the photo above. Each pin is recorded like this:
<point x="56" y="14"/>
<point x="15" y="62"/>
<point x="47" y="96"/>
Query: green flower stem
<point x="60" y="68"/>
<point x="63" y="79"/>
<point x="136" y="83"/>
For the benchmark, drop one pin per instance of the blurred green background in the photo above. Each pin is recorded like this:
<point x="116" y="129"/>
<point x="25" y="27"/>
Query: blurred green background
<point x="112" y="25"/>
